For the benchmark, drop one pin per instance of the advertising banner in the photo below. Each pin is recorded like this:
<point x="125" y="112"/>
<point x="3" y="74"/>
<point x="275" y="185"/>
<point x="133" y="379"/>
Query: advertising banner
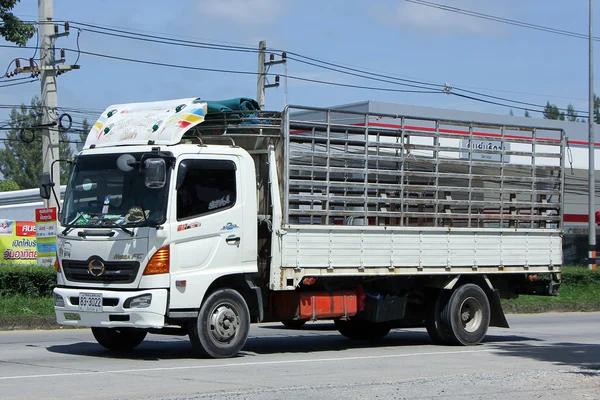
<point x="18" y="243"/>
<point x="45" y="219"/>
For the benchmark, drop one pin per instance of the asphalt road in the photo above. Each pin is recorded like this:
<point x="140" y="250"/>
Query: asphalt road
<point x="549" y="356"/>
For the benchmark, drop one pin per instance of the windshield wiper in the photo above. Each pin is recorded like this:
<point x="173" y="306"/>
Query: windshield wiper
<point x="71" y="224"/>
<point x="128" y="231"/>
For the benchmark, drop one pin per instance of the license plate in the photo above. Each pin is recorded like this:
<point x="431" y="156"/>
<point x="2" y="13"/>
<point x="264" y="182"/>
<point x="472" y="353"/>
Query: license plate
<point x="91" y="302"/>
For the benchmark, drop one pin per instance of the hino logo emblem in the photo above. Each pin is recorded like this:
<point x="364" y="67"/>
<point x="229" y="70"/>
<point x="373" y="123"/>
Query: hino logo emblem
<point x="96" y="267"/>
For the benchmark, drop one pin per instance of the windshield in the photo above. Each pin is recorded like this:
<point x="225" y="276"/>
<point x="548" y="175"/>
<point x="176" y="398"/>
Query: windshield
<point x="99" y="193"/>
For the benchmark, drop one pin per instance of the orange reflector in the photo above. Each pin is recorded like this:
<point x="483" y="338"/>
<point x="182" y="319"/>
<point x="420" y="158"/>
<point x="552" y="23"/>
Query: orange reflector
<point x="57" y="265"/>
<point x="159" y="262"/>
<point x="309" y="280"/>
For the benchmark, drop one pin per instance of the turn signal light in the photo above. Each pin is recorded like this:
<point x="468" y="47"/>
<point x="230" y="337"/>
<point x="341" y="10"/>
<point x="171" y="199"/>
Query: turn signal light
<point x="309" y="280"/>
<point x="159" y="262"/>
<point x="57" y="265"/>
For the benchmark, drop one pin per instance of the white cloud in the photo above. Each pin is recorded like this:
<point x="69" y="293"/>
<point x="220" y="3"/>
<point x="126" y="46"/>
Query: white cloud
<point x="439" y="20"/>
<point x="250" y="12"/>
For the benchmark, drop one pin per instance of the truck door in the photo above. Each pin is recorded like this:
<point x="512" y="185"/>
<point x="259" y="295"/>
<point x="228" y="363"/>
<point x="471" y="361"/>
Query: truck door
<point x="207" y="233"/>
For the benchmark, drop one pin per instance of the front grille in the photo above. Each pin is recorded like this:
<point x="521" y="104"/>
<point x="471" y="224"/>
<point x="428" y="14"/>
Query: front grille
<point x="114" y="271"/>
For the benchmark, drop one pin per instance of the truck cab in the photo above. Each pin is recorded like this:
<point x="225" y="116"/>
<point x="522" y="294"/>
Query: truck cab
<point x="159" y="222"/>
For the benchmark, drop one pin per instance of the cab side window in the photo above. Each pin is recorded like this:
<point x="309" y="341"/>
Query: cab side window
<point x="208" y="186"/>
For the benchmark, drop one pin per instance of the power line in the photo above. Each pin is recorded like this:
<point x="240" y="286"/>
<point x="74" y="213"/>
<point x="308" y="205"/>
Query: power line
<point x="19" y="83"/>
<point x="188" y="67"/>
<point x="501" y="19"/>
<point x="425" y="86"/>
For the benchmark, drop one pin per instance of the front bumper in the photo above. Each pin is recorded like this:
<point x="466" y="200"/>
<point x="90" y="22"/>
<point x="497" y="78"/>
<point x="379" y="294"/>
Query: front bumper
<point x="113" y="314"/>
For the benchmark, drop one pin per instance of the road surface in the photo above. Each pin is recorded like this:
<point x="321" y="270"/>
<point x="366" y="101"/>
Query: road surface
<point x="548" y="356"/>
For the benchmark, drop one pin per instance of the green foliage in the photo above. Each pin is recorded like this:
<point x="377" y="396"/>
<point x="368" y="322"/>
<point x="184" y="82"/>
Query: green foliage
<point x="8" y="186"/>
<point x="27" y="281"/>
<point x="21" y="162"/>
<point x="572" y="276"/>
<point x="19" y="305"/>
<point x="551" y="111"/>
<point x="13" y="29"/>
<point x="572" y="114"/>
<point x="83" y="134"/>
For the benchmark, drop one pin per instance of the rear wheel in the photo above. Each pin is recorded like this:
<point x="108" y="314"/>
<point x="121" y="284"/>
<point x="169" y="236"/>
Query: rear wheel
<point x="222" y="326"/>
<point x="436" y="331"/>
<point x="294" y="323"/>
<point x="119" y="339"/>
<point x="358" y="329"/>
<point x="466" y="315"/>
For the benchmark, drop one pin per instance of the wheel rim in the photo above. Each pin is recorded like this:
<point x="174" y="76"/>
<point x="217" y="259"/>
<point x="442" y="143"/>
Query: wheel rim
<point x="471" y="314"/>
<point x="224" y="323"/>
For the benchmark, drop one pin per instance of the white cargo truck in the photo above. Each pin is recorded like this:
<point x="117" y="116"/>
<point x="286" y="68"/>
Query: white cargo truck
<point x="192" y="217"/>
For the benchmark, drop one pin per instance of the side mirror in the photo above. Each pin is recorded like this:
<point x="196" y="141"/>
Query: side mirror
<point x="46" y="186"/>
<point x="155" y="173"/>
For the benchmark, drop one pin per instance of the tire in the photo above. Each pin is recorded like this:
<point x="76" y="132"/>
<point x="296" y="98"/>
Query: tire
<point x="294" y="323"/>
<point x="222" y="326"/>
<point x="358" y="329"/>
<point x="433" y="324"/>
<point x="466" y="315"/>
<point x="119" y="339"/>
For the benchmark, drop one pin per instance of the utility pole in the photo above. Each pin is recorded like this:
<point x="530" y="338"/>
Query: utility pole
<point x="591" y="149"/>
<point x="260" y="84"/>
<point x="263" y="67"/>
<point x="48" y="70"/>
<point x="50" y="137"/>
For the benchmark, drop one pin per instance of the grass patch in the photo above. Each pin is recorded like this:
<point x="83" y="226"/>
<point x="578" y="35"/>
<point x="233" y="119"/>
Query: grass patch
<point x="21" y="305"/>
<point x="578" y="297"/>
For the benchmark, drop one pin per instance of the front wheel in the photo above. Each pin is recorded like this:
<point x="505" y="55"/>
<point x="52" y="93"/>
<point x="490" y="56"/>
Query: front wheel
<point x="222" y="326"/>
<point x="466" y="315"/>
<point x="119" y="339"/>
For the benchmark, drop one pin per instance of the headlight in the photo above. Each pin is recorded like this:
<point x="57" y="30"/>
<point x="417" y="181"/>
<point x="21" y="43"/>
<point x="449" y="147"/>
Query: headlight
<point x="142" y="301"/>
<point x="58" y="300"/>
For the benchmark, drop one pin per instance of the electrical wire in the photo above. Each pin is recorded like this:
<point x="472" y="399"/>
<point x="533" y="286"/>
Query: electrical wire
<point x="18" y="83"/>
<point x="188" y="67"/>
<point x="78" y="48"/>
<point x="501" y="19"/>
<point x="425" y="86"/>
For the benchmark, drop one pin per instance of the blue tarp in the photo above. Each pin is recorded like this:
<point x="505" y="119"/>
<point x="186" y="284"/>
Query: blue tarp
<point x="238" y="104"/>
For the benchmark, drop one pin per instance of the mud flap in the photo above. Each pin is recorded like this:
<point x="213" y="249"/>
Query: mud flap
<point x="497" y="318"/>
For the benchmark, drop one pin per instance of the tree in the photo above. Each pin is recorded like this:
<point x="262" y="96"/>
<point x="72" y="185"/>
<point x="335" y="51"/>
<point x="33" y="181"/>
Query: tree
<point x="596" y="109"/>
<point x="21" y="159"/>
<point x="551" y="111"/>
<point x="8" y="186"/>
<point x="527" y="115"/>
<point x="572" y="114"/>
<point x="85" y="129"/>
<point x="13" y="29"/>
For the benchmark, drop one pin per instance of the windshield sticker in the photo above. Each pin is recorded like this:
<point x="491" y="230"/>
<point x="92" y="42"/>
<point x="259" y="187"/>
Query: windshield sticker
<point x="191" y="225"/>
<point x="64" y="250"/>
<point x="87" y="184"/>
<point x="229" y="226"/>
<point x="225" y="201"/>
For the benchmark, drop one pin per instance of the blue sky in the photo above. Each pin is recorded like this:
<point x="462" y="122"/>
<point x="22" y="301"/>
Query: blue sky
<point x="394" y="38"/>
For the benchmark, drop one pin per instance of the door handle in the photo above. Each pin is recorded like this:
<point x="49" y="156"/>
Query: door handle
<point x="233" y="239"/>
